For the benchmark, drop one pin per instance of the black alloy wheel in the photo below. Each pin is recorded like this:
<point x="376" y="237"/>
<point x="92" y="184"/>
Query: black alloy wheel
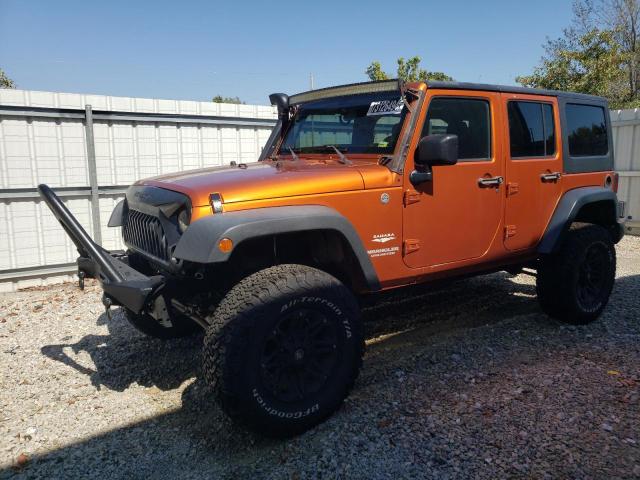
<point x="592" y="277"/>
<point x="299" y="355"/>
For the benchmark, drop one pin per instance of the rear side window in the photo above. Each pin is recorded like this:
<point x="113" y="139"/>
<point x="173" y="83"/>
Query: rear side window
<point x="468" y="118"/>
<point x="587" y="130"/>
<point x="531" y="129"/>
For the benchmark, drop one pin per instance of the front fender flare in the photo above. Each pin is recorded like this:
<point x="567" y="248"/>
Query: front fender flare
<point x="198" y="244"/>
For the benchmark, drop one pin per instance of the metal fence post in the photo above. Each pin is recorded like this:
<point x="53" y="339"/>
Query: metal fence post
<point x="92" y="190"/>
<point x="93" y="175"/>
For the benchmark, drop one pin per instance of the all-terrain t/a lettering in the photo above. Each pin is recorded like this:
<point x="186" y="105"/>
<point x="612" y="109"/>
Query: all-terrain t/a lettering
<point x="314" y="300"/>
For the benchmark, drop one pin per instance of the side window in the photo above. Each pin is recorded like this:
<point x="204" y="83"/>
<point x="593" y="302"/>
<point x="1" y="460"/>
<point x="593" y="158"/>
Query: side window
<point x="468" y="118"/>
<point x="531" y="129"/>
<point x="587" y="130"/>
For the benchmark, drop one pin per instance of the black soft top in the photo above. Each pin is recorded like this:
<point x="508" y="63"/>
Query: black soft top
<point x="513" y="89"/>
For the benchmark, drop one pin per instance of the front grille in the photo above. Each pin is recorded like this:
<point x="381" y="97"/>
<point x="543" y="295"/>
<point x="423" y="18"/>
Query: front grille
<point x="145" y="233"/>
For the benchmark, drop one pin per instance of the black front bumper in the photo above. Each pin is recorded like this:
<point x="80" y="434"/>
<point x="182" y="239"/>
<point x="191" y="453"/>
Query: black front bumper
<point x="135" y="291"/>
<point x="122" y="284"/>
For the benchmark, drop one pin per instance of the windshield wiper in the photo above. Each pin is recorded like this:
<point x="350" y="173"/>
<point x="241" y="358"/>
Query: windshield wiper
<point x="342" y="156"/>
<point x="296" y="158"/>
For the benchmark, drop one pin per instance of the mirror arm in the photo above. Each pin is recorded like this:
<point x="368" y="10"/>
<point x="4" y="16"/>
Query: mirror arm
<point x="416" y="177"/>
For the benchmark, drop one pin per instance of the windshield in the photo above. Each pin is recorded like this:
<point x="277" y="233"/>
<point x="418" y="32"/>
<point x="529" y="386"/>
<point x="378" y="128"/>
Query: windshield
<point x="367" y="123"/>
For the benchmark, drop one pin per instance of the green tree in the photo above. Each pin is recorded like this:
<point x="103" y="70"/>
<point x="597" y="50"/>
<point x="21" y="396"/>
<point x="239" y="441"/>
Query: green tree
<point x="6" y="82"/>
<point x="598" y="53"/>
<point x="375" y="72"/>
<point x="408" y="70"/>
<point x="221" y="99"/>
<point x="591" y="63"/>
<point x="622" y="17"/>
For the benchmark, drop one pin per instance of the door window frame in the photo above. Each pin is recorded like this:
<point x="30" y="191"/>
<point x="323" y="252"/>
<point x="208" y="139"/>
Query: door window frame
<point x="490" y="112"/>
<point x="555" y="129"/>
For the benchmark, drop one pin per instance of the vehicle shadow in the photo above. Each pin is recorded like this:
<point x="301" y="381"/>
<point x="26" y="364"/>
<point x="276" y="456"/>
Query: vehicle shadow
<point x="452" y="300"/>
<point x="198" y="441"/>
<point x="125" y="356"/>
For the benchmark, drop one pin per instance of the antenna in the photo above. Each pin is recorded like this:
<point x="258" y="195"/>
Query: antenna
<point x="311" y="81"/>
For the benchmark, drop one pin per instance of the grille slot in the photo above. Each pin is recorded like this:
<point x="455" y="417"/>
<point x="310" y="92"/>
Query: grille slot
<point x="145" y="233"/>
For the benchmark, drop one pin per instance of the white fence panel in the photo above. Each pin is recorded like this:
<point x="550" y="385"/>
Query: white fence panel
<point x="43" y="139"/>
<point x="626" y="141"/>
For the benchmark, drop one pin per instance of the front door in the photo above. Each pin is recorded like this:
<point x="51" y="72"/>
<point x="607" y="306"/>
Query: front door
<point x="534" y="166"/>
<point x="456" y="216"/>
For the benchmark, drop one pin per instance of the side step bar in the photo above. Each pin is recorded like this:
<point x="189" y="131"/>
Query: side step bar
<point x="122" y="284"/>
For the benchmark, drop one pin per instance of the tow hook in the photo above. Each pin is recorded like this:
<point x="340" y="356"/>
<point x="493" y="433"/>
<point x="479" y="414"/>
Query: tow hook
<point x="107" y="302"/>
<point x="160" y="312"/>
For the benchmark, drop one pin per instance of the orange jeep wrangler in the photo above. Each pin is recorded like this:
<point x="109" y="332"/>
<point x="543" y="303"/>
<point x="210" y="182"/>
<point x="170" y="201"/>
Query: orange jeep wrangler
<point x="360" y="188"/>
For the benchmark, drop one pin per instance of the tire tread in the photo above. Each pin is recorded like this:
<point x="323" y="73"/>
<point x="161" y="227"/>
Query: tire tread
<point x="232" y="321"/>
<point x="554" y="271"/>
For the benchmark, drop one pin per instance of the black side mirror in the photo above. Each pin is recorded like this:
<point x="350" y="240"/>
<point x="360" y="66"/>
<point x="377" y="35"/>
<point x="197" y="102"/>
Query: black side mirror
<point x="438" y="149"/>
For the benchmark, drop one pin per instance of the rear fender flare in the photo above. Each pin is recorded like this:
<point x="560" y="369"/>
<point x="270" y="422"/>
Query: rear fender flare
<point x="566" y="211"/>
<point x="199" y="243"/>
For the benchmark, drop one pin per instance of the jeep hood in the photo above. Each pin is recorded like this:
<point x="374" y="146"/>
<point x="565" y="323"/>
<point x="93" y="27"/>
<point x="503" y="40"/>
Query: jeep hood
<point x="260" y="180"/>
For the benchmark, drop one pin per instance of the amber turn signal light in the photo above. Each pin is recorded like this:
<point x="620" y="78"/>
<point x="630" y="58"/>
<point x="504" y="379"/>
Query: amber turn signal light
<point x="225" y="245"/>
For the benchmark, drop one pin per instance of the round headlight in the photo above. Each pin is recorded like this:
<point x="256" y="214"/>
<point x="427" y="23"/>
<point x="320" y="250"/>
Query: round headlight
<point x="183" y="220"/>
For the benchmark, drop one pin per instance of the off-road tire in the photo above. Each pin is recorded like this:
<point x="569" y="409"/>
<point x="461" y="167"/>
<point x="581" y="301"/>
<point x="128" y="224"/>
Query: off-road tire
<point x="181" y="326"/>
<point x="245" y="325"/>
<point x="561" y="276"/>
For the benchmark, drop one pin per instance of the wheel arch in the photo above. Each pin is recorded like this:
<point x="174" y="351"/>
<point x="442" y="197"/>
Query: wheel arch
<point x="265" y="229"/>
<point x="595" y="205"/>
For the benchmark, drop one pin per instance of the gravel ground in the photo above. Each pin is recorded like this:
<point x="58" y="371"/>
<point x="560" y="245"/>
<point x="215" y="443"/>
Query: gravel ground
<point x="471" y="381"/>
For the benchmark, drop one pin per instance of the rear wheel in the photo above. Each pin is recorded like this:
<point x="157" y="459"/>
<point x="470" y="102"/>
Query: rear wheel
<point x="284" y="349"/>
<point x="574" y="284"/>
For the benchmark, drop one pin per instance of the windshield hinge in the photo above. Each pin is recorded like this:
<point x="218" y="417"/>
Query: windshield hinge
<point x="410" y="196"/>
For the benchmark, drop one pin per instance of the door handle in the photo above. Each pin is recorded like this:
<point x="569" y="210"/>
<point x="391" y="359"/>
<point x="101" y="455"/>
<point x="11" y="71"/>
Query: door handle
<point x="490" y="182"/>
<point x="550" y="177"/>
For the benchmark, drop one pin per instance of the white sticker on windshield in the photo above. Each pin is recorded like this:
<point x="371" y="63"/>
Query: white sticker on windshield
<point x="386" y="107"/>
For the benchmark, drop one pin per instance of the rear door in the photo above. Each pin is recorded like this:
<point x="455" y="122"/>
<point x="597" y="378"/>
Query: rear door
<point x="533" y="167"/>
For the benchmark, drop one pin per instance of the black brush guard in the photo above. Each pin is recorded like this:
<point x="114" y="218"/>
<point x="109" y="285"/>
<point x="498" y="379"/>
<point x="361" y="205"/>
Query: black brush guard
<point x="122" y="284"/>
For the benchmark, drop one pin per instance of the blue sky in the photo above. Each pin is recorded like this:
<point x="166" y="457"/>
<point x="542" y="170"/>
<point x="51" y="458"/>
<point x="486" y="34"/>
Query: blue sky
<point x="197" y="49"/>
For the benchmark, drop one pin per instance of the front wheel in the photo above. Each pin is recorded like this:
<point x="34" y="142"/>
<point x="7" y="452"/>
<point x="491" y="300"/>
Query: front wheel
<point x="574" y="284"/>
<point x="284" y="349"/>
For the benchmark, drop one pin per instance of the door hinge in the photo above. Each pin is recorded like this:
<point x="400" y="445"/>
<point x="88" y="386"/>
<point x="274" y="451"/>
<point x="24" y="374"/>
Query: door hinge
<point x="510" y="231"/>
<point x="512" y="188"/>
<point x="410" y="197"/>
<point x="410" y="246"/>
